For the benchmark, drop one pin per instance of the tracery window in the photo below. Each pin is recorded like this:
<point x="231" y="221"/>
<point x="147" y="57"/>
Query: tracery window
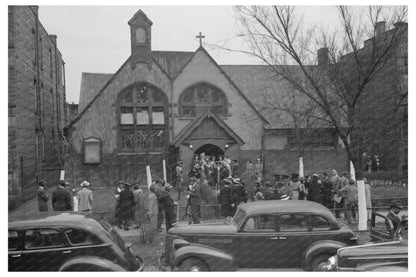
<point x="201" y="97"/>
<point x="142" y="118"/>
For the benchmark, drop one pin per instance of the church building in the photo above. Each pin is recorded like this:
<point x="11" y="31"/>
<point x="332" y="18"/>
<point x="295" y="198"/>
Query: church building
<point x="171" y="105"/>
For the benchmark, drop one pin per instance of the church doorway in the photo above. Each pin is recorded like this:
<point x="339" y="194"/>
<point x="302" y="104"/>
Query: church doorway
<point x="210" y="150"/>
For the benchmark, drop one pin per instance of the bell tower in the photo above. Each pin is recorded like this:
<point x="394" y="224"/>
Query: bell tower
<point x="141" y="38"/>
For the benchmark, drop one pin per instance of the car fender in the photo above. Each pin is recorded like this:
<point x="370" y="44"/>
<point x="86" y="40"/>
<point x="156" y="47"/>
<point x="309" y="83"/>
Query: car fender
<point x="82" y="261"/>
<point x="217" y="260"/>
<point x="320" y="247"/>
<point x="383" y="266"/>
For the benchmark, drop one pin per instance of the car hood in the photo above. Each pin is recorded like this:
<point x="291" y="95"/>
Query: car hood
<point x="206" y="228"/>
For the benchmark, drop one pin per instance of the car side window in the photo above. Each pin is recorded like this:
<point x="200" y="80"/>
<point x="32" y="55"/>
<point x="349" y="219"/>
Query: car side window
<point x="79" y="237"/>
<point x="293" y="223"/>
<point x="381" y="224"/>
<point x="14" y="239"/>
<point x="319" y="223"/>
<point x="260" y="223"/>
<point x="43" y="238"/>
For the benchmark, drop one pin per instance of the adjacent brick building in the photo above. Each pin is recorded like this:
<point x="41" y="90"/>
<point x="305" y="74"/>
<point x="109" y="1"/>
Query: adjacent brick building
<point x="171" y="105"/>
<point x="36" y="103"/>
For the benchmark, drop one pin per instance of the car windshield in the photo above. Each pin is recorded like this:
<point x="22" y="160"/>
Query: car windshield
<point x="239" y="217"/>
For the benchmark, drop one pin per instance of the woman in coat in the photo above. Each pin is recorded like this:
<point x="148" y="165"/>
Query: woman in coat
<point x="126" y="205"/>
<point x="139" y="214"/>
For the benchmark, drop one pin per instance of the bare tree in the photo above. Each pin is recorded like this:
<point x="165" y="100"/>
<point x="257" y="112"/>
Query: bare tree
<point x="337" y="80"/>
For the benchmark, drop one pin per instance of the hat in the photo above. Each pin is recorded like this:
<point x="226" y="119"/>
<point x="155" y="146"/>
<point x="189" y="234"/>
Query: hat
<point x="62" y="183"/>
<point x="85" y="184"/>
<point x="168" y="186"/>
<point x="236" y="180"/>
<point x="180" y="162"/>
<point x="396" y="206"/>
<point x="315" y="175"/>
<point x="228" y="181"/>
<point x="351" y="182"/>
<point x="127" y="184"/>
<point x="284" y="197"/>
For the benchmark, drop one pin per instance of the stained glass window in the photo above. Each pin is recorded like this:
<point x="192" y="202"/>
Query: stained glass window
<point x="200" y="97"/>
<point x="142" y="118"/>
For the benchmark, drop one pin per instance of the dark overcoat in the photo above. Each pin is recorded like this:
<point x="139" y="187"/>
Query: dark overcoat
<point x="61" y="200"/>
<point x="42" y="200"/>
<point x="126" y="205"/>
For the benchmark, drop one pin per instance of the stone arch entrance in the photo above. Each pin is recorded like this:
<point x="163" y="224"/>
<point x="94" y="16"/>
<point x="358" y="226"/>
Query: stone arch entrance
<point x="209" y="150"/>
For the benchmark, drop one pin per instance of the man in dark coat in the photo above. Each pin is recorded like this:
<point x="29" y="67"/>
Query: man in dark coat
<point x="239" y="192"/>
<point x="125" y="206"/>
<point x="314" y="189"/>
<point x="61" y="198"/>
<point x="194" y="199"/>
<point x="169" y="207"/>
<point x="225" y="198"/>
<point x="42" y="198"/>
<point x="327" y="192"/>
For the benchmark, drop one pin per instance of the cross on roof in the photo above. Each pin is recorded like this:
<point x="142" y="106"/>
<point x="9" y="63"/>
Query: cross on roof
<point x="200" y="36"/>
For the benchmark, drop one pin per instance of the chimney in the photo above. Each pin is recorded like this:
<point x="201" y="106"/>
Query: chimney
<point x="380" y="27"/>
<point x="323" y="56"/>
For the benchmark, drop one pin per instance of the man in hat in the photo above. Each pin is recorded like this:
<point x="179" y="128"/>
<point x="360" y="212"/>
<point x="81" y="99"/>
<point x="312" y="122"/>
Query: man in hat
<point x="118" y="190"/>
<point x="61" y="198"/>
<point x="239" y="192"/>
<point x="179" y="175"/>
<point x="159" y="191"/>
<point x="169" y="207"/>
<point x="84" y="197"/>
<point x="393" y="215"/>
<point x="258" y="169"/>
<point x="225" y="198"/>
<point x="42" y="197"/>
<point x="350" y="193"/>
<point x="126" y="204"/>
<point x="194" y="193"/>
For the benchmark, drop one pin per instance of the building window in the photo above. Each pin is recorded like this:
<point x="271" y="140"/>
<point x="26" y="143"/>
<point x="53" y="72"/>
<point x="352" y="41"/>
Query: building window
<point x="201" y="97"/>
<point x="50" y="63"/>
<point x="41" y="53"/>
<point x="312" y="138"/>
<point x="33" y="46"/>
<point x="143" y="118"/>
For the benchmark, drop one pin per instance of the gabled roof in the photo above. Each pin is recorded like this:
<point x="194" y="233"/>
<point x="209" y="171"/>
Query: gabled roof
<point x="234" y="85"/>
<point x="172" y="62"/>
<point x="265" y="90"/>
<point x="191" y="126"/>
<point x="91" y="83"/>
<point x="140" y="17"/>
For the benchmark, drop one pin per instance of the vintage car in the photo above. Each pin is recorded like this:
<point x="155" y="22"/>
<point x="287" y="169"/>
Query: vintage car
<point x="261" y="235"/>
<point x="67" y="241"/>
<point x="389" y="254"/>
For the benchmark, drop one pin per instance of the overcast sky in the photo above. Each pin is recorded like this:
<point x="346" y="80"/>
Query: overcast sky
<point x="97" y="38"/>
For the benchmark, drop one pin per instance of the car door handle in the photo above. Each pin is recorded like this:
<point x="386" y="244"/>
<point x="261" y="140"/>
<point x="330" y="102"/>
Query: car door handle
<point x="66" y="252"/>
<point x="16" y="256"/>
<point x="282" y="237"/>
<point x="274" y="238"/>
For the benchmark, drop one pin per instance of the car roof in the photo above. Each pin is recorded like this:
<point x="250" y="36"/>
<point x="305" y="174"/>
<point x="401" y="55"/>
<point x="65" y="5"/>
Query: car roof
<point x="286" y="206"/>
<point x="55" y="219"/>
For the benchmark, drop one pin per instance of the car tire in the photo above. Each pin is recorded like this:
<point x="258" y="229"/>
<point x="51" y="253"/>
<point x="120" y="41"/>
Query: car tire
<point x="193" y="264"/>
<point x="319" y="261"/>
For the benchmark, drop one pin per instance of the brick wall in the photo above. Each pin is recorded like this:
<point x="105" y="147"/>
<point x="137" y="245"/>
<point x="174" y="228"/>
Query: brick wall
<point x="36" y="96"/>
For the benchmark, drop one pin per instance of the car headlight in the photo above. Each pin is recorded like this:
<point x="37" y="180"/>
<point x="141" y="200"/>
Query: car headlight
<point x="332" y="263"/>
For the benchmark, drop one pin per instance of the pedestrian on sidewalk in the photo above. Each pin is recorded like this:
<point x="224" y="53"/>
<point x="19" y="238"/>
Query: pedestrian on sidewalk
<point x="118" y="190"/>
<point x="350" y="192"/>
<point x="195" y="199"/>
<point x="126" y="204"/>
<point x="85" y="198"/>
<point x="139" y="214"/>
<point x="42" y="197"/>
<point x="61" y="198"/>
<point x="149" y="229"/>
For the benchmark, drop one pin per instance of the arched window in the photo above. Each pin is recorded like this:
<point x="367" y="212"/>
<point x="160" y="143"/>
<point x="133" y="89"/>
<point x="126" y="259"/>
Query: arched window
<point x="200" y="97"/>
<point x="142" y="118"/>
